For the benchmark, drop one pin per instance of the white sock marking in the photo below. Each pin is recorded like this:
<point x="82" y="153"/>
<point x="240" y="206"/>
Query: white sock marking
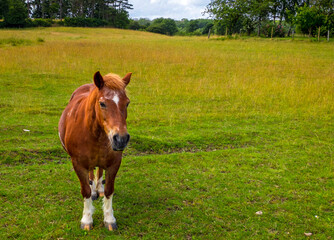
<point x="108" y="211"/>
<point x="87" y="215"/>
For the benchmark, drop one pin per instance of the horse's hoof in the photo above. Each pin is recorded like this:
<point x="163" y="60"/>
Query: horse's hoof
<point x="87" y="226"/>
<point x="95" y="196"/>
<point x="110" y="226"/>
<point x="101" y="194"/>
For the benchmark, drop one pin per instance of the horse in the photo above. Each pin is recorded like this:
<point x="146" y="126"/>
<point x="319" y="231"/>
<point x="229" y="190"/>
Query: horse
<point x="93" y="131"/>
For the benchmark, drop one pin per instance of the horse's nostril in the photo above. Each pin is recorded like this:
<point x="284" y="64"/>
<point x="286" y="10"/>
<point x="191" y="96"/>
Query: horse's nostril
<point x="116" y="138"/>
<point x="127" y="138"/>
<point x="120" y="141"/>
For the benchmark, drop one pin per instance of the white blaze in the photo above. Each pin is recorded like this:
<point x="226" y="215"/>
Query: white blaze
<point x="116" y="99"/>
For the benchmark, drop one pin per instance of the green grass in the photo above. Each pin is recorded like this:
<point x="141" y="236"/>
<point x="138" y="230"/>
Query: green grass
<point x="219" y="130"/>
<point x="14" y="42"/>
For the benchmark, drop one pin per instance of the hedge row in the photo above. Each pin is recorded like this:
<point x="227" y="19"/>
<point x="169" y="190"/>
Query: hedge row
<point x="37" y="22"/>
<point x="84" y="22"/>
<point x="71" y="22"/>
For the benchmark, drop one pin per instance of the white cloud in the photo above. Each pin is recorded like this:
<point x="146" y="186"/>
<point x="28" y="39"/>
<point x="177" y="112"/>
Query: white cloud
<point x="179" y="2"/>
<point x="176" y="9"/>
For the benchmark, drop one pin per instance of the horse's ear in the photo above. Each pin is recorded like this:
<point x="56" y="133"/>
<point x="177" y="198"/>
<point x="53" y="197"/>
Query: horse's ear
<point x="127" y="77"/>
<point x="98" y="80"/>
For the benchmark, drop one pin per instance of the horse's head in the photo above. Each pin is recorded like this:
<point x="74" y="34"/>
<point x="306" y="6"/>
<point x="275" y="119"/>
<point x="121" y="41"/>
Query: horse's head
<point x="111" y="108"/>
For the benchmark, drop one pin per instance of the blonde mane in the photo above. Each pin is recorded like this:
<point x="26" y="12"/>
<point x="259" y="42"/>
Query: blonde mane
<point x="113" y="81"/>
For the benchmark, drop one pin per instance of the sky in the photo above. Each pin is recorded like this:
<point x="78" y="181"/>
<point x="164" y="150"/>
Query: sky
<point x="175" y="9"/>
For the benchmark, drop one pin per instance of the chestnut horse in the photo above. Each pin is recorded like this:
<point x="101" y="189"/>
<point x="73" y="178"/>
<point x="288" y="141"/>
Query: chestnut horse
<point x="92" y="130"/>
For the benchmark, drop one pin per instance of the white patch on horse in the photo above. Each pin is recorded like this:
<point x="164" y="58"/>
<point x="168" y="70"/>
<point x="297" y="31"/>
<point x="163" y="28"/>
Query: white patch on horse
<point x="108" y="211"/>
<point x="70" y="112"/>
<point x="110" y="136"/>
<point x="99" y="186"/>
<point x="93" y="188"/>
<point x="116" y="99"/>
<point x="87" y="215"/>
<point x="62" y="142"/>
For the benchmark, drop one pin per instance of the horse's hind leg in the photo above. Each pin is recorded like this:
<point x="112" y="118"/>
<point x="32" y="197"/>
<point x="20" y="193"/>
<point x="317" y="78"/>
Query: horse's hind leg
<point x="87" y="216"/>
<point x="99" y="184"/>
<point x="93" y="186"/>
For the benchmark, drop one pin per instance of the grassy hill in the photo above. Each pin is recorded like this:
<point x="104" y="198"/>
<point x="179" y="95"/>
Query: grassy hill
<point x="219" y="131"/>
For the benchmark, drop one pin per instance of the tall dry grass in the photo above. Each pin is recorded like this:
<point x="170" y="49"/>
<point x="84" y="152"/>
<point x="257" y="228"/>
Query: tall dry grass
<point x="174" y="77"/>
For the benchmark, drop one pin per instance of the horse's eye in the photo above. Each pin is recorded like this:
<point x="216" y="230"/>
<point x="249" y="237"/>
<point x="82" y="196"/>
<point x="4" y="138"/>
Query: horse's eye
<point x="102" y="105"/>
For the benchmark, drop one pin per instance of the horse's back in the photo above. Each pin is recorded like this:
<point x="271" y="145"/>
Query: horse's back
<point x="82" y="91"/>
<point x="77" y="96"/>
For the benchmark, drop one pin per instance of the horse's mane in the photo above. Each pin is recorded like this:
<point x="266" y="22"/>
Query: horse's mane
<point x="113" y="81"/>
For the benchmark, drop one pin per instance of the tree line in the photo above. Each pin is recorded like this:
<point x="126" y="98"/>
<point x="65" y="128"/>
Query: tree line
<point x="170" y="26"/>
<point x="16" y="13"/>
<point x="272" y="17"/>
<point x="269" y="18"/>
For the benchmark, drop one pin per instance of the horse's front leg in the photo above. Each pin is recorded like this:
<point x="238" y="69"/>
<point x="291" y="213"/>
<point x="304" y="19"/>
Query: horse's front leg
<point x="87" y="216"/>
<point x="109" y="219"/>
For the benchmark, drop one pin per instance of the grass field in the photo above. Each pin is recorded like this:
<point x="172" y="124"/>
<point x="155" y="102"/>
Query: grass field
<point x="219" y="130"/>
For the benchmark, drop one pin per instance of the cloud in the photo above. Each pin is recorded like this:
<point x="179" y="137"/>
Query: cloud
<point x="176" y="9"/>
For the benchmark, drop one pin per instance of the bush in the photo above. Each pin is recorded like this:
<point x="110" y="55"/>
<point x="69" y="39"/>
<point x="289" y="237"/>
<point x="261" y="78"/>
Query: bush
<point x="163" y="26"/>
<point x="134" y="25"/>
<point x="38" y="22"/>
<point x="156" y="28"/>
<point x="197" y="32"/>
<point x="207" y="27"/>
<point x="60" y="23"/>
<point x="278" y="30"/>
<point x="84" y="22"/>
<point x="323" y="31"/>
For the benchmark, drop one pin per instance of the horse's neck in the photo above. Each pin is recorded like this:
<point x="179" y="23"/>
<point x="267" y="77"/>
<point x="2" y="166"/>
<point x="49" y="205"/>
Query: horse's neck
<point x="91" y="121"/>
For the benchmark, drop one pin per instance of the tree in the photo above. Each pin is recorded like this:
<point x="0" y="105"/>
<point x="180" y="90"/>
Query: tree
<point x="207" y="28"/>
<point x="248" y="14"/>
<point x="119" y="18"/>
<point x="259" y="10"/>
<point x="326" y="7"/>
<point x="4" y="5"/>
<point x="227" y="13"/>
<point x="192" y="26"/>
<point x="163" y="26"/>
<point x="309" y="18"/>
<point x="169" y="26"/>
<point x="134" y="25"/>
<point x="144" y="22"/>
<point x="17" y="14"/>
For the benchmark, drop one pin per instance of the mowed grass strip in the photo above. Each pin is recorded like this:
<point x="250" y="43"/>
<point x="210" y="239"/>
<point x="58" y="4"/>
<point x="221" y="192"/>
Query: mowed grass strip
<point x="189" y="195"/>
<point x="219" y="130"/>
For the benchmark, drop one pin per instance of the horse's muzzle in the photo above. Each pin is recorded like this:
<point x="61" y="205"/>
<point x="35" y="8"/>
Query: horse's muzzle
<point x="120" y="142"/>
